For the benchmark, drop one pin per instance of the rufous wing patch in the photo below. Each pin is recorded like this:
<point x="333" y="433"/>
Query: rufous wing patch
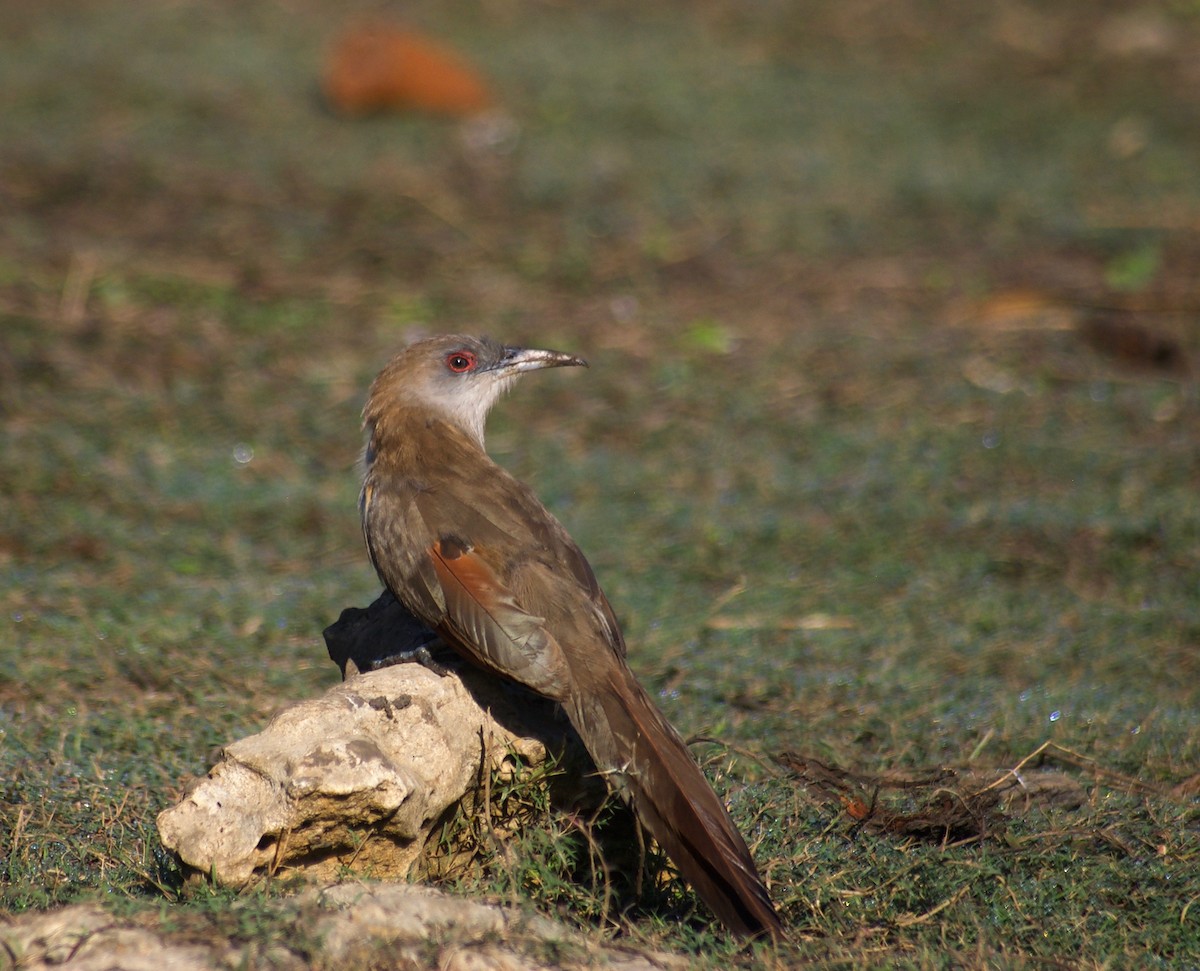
<point x="487" y="622"/>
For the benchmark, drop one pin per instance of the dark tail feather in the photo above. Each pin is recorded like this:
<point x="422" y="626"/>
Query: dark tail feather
<point x="627" y="736"/>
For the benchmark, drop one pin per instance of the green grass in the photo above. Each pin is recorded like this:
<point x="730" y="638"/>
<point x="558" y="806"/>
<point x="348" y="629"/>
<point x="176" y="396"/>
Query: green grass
<point x="773" y="231"/>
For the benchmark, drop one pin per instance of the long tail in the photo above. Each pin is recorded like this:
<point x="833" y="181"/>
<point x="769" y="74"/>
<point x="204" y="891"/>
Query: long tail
<point x="628" y="737"/>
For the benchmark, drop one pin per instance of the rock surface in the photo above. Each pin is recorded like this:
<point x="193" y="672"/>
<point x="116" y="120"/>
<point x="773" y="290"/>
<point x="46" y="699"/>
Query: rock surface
<point x="361" y="775"/>
<point x="349" y="925"/>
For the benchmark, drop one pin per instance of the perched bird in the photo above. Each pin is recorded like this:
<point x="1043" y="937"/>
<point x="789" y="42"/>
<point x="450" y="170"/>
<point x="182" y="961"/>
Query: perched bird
<point x="473" y="554"/>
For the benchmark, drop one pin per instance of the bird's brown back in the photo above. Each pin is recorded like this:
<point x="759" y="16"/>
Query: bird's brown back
<point x="427" y="480"/>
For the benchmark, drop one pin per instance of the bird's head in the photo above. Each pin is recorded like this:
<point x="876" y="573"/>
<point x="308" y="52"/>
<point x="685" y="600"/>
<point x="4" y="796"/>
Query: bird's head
<point x="457" y="377"/>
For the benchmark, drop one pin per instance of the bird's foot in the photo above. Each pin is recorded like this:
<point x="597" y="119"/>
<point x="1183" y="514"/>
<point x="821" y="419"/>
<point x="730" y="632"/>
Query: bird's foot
<point x="419" y="655"/>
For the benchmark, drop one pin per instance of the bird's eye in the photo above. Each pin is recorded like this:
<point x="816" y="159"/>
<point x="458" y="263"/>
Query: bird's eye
<point x="460" y="361"/>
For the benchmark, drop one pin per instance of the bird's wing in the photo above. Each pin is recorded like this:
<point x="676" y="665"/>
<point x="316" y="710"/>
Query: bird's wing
<point x="484" y="619"/>
<point x="535" y="556"/>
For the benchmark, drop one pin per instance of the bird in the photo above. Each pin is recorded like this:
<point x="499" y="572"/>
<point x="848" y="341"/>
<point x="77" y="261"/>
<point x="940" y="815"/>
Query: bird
<point x="473" y="554"/>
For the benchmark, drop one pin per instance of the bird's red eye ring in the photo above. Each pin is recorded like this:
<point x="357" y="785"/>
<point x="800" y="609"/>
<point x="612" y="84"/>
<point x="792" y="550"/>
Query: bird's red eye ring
<point x="460" y="361"/>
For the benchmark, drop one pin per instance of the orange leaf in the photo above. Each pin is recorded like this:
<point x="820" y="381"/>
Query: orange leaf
<point x="384" y="68"/>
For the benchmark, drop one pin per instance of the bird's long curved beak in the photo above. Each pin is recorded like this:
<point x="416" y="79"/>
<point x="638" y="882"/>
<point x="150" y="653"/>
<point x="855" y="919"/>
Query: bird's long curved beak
<point x="518" y="359"/>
